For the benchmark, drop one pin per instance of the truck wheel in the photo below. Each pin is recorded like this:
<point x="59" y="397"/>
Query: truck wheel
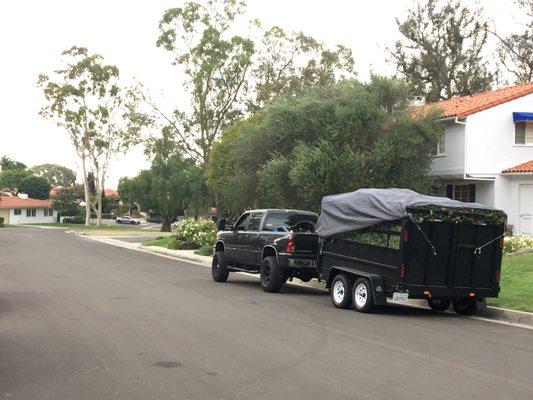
<point x="439" y="303"/>
<point x="465" y="306"/>
<point x="341" y="291"/>
<point x="362" y="295"/>
<point x="272" y="277"/>
<point x="219" y="268"/>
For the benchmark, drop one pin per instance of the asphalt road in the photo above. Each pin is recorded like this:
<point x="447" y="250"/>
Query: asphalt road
<point x="85" y="320"/>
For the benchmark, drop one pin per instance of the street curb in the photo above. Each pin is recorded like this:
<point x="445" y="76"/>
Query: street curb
<point x="515" y="318"/>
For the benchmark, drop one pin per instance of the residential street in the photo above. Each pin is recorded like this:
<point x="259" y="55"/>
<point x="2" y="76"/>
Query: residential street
<point x="81" y="319"/>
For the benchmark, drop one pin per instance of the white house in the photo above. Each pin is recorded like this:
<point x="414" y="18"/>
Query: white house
<point x="486" y="152"/>
<point x="17" y="210"/>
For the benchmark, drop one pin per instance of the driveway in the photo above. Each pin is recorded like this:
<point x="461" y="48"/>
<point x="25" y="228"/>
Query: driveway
<point x="81" y="319"/>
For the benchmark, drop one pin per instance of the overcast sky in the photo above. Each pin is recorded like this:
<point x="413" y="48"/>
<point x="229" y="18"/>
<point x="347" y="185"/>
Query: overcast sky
<point x="33" y="34"/>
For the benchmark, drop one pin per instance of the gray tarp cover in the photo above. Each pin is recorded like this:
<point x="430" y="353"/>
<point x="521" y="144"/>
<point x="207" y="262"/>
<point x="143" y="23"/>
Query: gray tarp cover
<point x="366" y="207"/>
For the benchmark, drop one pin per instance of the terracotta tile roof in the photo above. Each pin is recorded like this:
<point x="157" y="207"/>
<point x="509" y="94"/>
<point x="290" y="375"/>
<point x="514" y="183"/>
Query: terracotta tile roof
<point x="13" y="201"/>
<point x="523" y="168"/>
<point x="110" y="192"/>
<point x="466" y="105"/>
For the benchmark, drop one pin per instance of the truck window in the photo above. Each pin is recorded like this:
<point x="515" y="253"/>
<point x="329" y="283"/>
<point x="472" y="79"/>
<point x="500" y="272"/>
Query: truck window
<point x="242" y="222"/>
<point x="386" y="234"/>
<point x="255" y="221"/>
<point x="283" y="221"/>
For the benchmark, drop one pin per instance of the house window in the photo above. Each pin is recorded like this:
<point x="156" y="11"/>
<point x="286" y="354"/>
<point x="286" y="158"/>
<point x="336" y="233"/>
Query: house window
<point x="48" y="212"/>
<point x="462" y="192"/>
<point x="31" y="212"/>
<point x="523" y="132"/>
<point x="440" y="146"/>
<point x="17" y="211"/>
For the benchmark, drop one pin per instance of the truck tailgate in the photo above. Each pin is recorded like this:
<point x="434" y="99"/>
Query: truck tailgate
<point x="306" y="244"/>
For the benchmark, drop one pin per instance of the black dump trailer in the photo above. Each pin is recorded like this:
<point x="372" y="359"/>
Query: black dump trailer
<point x="441" y="250"/>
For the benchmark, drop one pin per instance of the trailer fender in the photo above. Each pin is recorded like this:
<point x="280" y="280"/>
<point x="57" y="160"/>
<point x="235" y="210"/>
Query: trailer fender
<point x="376" y="282"/>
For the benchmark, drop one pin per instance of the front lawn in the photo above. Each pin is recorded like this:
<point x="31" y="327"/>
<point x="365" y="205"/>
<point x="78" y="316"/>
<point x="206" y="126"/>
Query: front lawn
<point x="516" y="283"/>
<point x="104" y="230"/>
<point x="160" y="242"/>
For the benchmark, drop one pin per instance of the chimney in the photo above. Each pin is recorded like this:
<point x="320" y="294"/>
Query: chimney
<point x="23" y="195"/>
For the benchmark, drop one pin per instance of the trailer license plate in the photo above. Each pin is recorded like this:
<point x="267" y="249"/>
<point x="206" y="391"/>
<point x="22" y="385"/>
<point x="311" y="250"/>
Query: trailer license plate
<point x="397" y="296"/>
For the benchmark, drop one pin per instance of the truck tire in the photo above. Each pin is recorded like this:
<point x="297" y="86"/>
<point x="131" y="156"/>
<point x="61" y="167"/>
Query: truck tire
<point x="440" y="304"/>
<point x="363" y="300"/>
<point x="272" y="276"/>
<point x="465" y="306"/>
<point x="341" y="291"/>
<point x="219" y="268"/>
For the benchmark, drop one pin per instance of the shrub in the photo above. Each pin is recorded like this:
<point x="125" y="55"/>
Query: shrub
<point x="74" y="220"/>
<point x="513" y="244"/>
<point x="1" y="222"/>
<point x="195" y="234"/>
<point x="206" y="250"/>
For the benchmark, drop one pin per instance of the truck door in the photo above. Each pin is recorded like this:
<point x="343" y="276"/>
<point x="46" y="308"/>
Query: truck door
<point x="251" y="239"/>
<point x="234" y="242"/>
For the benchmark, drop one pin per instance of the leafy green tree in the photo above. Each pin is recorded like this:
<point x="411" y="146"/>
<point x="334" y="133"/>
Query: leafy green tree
<point x="87" y="99"/>
<point x="8" y="163"/>
<point x="35" y="187"/>
<point x="11" y="179"/>
<point x="288" y="63"/>
<point x="55" y="174"/>
<point x="441" y="51"/>
<point x="516" y="50"/>
<point x="66" y="200"/>
<point x="330" y="140"/>
<point x="215" y="63"/>
<point x="171" y="186"/>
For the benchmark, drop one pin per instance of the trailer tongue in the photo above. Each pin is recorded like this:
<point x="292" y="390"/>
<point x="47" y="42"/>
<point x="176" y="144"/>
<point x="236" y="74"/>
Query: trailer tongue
<point x="395" y="243"/>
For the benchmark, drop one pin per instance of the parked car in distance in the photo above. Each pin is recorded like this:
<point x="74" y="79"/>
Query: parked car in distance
<point x="277" y="244"/>
<point x="127" y="220"/>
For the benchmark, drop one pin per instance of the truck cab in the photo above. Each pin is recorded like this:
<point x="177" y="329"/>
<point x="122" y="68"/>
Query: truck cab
<point x="279" y="244"/>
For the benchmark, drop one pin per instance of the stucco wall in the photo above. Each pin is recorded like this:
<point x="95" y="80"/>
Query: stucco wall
<point x="23" y="219"/>
<point x="452" y="163"/>
<point x="490" y="144"/>
<point x="507" y="196"/>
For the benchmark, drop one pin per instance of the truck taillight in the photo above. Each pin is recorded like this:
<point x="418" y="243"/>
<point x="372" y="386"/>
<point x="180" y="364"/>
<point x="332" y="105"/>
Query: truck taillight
<point x="290" y="247"/>
<point x="402" y="271"/>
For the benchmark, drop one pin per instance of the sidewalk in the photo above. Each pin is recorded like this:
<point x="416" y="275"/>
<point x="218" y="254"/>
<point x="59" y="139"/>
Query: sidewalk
<point x="490" y="314"/>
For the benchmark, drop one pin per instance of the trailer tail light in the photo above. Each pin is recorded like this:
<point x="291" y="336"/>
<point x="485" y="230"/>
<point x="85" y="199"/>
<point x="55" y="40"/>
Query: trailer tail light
<point x="471" y="294"/>
<point x="405" y="236"/>
<point x="498" y="275"/>
<point x="402" y="271"/>
<point x="426" y="293"/>
<point x="290" y="247"/>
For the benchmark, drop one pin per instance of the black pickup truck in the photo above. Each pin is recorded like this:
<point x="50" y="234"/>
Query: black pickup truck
<point x="278" y="244"/>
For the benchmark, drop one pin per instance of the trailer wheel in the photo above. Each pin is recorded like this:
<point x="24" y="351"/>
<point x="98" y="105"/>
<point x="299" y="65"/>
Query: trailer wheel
<point x="440" y="304"/>
<point x="219" y="268"/>
<point x="341" y="291"/>
<point x="272" y="276"/>
<point x="465" y="306"/>
<point x="362" y="295"/>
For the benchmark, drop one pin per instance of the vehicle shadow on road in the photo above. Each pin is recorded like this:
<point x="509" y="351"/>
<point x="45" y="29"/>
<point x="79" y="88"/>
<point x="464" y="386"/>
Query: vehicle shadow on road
<point x="286" y="289"/>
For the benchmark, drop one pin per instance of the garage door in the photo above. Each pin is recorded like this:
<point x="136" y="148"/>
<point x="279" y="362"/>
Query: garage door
<point x="526" y="209"/>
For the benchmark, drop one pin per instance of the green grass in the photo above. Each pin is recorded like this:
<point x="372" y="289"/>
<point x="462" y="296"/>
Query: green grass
<point x="104" y="230"/>
<point x="516" y="283"/>
<point x="160" y="241"/>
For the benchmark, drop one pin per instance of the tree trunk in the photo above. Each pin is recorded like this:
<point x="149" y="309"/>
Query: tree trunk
<point x="99" y="209"/>
<point x="86" y="192"/>
<point x="165" y="226"/>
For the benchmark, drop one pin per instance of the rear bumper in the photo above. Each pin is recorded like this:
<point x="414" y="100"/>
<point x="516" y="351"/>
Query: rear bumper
<point x="292" y="261"/>
<point x="418" y="292"/>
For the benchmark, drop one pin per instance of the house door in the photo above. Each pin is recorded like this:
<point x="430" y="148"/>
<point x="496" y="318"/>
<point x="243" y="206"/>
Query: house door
<point x="526" y="209"/>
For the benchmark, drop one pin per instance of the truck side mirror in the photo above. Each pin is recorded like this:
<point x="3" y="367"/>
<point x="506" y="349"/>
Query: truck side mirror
<point x="221" y="224"/>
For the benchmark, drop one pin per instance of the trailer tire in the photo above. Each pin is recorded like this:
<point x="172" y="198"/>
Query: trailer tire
<point x="219" y="267"/>
<point x="341" y="291"/>
<point x="439" y="304"/>
<point x="272" y="276"/>
<point x="363" y="299"/>
<point x="465" y="306"/>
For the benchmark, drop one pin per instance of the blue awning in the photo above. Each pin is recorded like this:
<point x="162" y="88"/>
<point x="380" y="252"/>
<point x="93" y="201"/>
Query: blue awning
<point x="522" y="116"/>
